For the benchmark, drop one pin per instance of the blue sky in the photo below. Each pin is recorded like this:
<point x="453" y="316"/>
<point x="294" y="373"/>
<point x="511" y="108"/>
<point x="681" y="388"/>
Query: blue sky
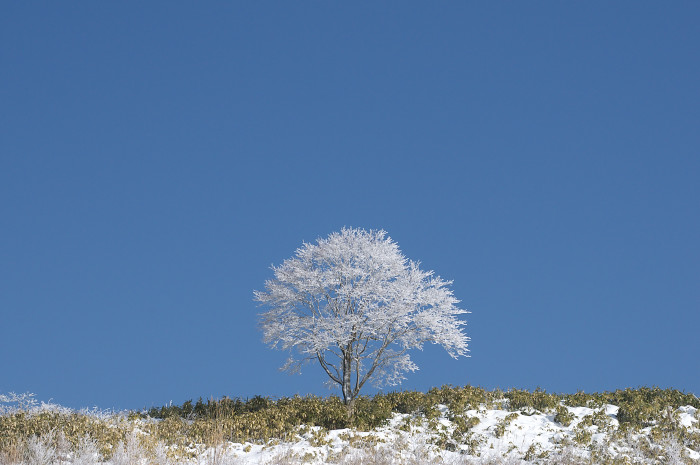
<point x="156" y="158"/>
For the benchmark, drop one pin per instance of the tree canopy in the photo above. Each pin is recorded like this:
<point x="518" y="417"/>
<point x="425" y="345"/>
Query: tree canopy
<point x="356" y="305"/>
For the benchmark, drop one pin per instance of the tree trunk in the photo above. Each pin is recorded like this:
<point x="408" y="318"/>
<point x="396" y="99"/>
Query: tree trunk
<point x="348" y="398"/>
<point x="350" y="406"/>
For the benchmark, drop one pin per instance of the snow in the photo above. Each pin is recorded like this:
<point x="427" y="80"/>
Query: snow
<point x="537" y="433"/>
<point x="499" y="436"/>
<point x="688" y="416"/>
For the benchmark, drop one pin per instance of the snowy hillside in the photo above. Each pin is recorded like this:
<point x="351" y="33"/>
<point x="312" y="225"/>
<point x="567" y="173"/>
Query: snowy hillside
<point x="498" y="437"/>
<point x="492" y="433"/>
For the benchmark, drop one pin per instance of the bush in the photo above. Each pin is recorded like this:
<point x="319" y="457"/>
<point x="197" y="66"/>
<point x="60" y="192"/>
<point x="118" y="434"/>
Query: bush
<point x="407" y="402"/>
<point x="458" y="399"/>
<point x="538" y="400"/>
<point x="371" y="412"/>
<point x="581" y="399"/>
<point x="563" y="416"/>
<point x="18" y="427"/>
<point x="643" y="407"/>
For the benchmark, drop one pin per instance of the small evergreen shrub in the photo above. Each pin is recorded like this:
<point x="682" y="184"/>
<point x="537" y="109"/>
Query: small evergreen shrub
<point x="563" y="416"/>
<point x="538" y="400"/>
<point x="458" y="399"/>
<point x="582" y="399"/>
<point x="410" y="402"/>
<point x="371" y="412"/>
<point x="502" y="426"/>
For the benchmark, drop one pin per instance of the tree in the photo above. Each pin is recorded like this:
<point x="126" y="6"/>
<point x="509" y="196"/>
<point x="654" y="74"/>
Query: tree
<point x="356" y="305"/>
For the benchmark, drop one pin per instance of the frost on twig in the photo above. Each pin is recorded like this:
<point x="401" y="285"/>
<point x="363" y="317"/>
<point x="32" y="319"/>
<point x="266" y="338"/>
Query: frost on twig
<point x="17" y="402"/>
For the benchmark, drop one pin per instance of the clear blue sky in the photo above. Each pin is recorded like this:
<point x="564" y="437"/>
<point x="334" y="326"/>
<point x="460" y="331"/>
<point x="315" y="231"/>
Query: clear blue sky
<point x="157" y="157"/>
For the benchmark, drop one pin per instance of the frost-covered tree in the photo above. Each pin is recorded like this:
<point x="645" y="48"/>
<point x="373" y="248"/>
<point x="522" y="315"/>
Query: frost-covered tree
<point x="356" y="305"/>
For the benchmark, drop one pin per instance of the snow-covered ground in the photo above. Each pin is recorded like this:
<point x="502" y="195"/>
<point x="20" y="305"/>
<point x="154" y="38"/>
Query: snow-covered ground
<point x="499" y="436"/>
<point x="484" y="436"/>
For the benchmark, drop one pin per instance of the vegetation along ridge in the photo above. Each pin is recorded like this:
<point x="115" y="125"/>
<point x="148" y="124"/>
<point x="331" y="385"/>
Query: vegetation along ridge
<point x="446" y="425"/>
